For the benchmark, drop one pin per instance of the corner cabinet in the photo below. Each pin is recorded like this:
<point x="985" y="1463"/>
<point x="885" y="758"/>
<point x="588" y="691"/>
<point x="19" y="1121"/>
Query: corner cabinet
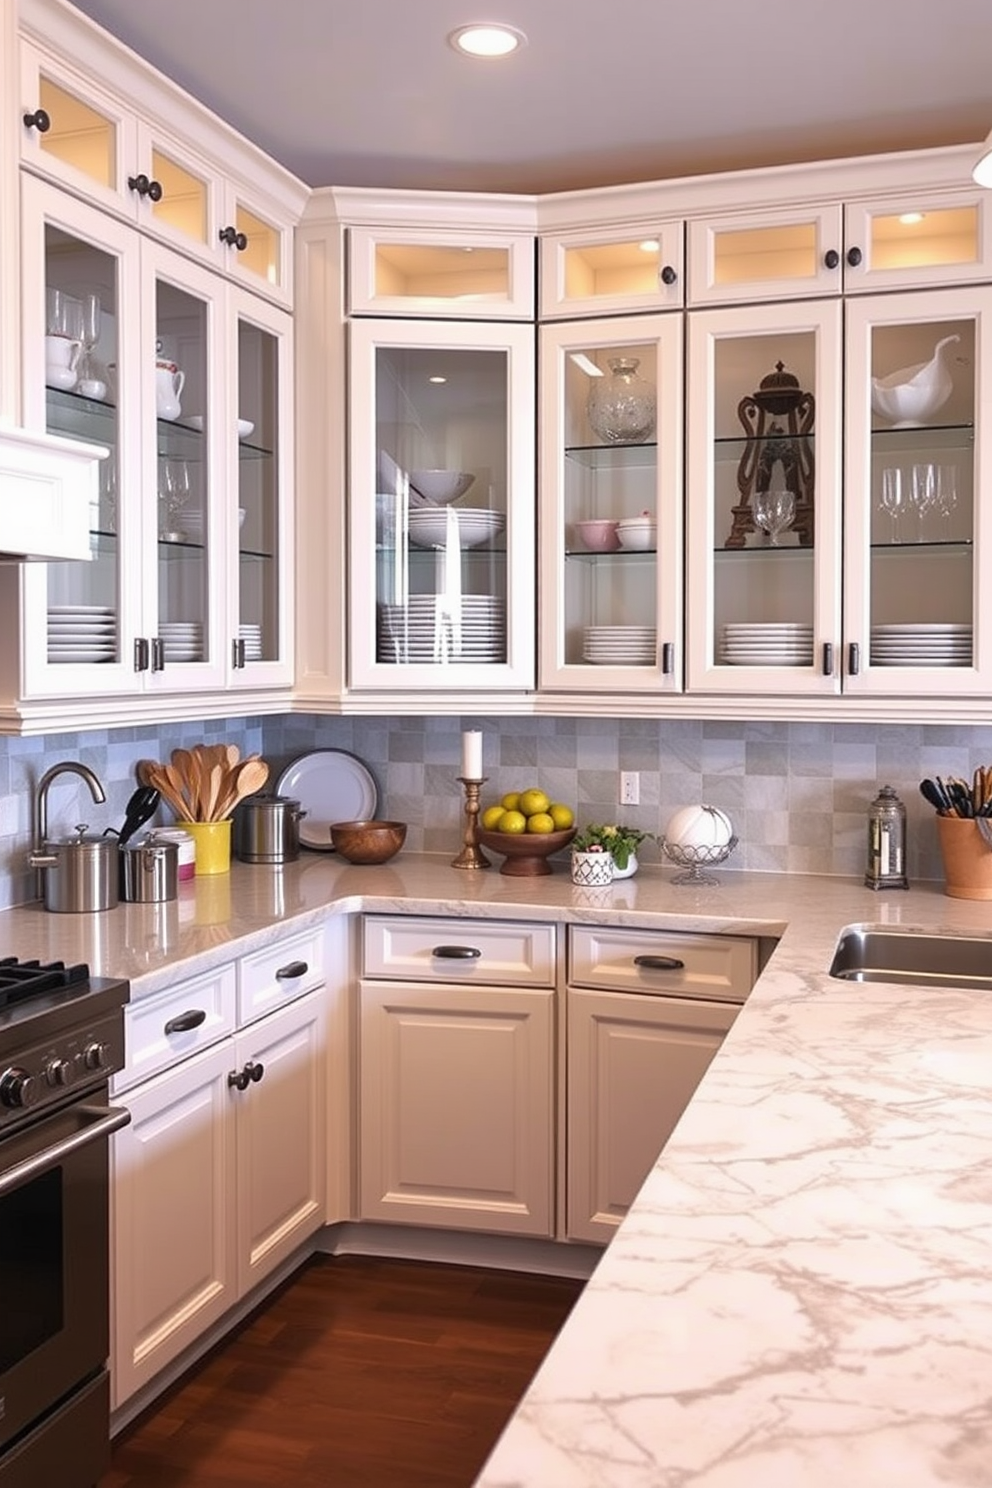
<point x="441" y="505"/>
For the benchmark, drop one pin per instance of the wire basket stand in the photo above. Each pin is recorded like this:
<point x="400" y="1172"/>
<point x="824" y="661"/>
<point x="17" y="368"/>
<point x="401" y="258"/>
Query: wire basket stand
<point x="695" y="859"/>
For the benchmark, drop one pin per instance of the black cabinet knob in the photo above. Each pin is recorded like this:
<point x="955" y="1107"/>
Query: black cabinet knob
<point x="233" y="238"/>
<point x="668" y="275"/>
<point x="831" y="258"/>
<point x="40" y="120"/>
<point x="854" y="257"/>
<point x="145" y="187"/>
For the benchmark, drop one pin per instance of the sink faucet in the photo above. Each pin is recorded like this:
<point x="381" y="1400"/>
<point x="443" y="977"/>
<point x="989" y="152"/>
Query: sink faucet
<point x="67" y="767"/>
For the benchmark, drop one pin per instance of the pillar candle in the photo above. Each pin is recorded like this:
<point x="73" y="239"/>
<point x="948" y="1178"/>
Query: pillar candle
<point x="472" y="754"/>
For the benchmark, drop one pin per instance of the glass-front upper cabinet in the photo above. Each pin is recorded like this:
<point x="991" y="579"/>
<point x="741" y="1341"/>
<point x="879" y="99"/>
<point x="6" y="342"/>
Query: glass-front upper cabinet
<point x="763" y="499"/>
<point x="766" y="256"/>
<point x="441" y="505"/>
<point x="611" y="505"/>
<point x="917" y="241"/>
<point x="447" y="272"/>
<point x="607" y="272"/>
<point x="917" y="568"/>
<point x="121" y="349"/>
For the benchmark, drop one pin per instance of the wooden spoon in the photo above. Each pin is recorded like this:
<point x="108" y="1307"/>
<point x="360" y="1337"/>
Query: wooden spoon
<point x="158" y="779"/>
<point x="249" y="777"/>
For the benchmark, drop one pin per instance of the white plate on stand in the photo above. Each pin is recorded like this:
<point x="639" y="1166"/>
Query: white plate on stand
<point x="331" y="785"/>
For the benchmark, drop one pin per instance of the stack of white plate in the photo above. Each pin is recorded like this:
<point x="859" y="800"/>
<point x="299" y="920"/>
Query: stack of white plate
<point x="471" y="525"/>
<point x="252" y="637"/>
<point x="182" y="639"/>
<point x="425" y="630"/>
<point x="778" y="644"/>
<point x="921" y="645"/>
<point x="82" y="633"/>
<point x="620" y="645"/>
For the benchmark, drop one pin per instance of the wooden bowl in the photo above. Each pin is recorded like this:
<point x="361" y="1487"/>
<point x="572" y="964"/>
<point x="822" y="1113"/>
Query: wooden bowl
<point x="368" y="841"/>
<point x="526" y="853"/>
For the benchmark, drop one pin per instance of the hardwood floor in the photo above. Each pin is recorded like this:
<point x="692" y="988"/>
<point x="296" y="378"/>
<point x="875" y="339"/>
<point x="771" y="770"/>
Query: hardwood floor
<point x="360" y="1373"/>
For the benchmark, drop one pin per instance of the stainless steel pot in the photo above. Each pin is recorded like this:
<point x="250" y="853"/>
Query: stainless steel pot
<point x="80" y="875"/>
<point x="267" y="829"/>
<point x="149" y="871"/>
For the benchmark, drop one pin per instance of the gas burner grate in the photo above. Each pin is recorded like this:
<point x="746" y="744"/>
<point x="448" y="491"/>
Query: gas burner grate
<point x="21" y="980"/>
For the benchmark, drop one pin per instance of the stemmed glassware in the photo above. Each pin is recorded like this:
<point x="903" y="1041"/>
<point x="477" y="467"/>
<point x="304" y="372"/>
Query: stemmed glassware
<point x="773" y="512"/>
<point x="923" y="494"/>
<point x="946" y="499"/>
<point x="174" y="494"/>
<point x="893" y="497"/>
<point x="91" y="315"/>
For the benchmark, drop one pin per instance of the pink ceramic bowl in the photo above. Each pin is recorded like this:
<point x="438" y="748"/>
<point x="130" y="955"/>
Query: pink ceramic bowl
<point x="599" y="535"/>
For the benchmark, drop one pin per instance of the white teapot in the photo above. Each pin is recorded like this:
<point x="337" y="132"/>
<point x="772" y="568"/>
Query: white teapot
<point x="169" y="381"/>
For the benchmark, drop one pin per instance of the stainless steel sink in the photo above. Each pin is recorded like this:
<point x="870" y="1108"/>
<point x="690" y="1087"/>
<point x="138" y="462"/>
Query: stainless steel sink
<point x="899" y="956"/>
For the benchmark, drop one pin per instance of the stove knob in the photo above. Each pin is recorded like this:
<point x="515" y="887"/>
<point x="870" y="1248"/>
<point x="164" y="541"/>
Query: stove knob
<point x="95" y="1056"/>
<point x="60" y="1072"/>
<point x="18" y="1089"/>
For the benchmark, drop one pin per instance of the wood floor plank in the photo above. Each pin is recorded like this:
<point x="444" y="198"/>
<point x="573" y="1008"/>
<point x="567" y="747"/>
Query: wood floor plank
<point x="361" y="1372"/>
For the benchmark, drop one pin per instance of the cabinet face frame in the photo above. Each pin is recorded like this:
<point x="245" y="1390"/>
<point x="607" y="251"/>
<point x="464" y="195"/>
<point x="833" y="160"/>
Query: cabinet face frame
<point x="364" y="298"/>
<point x="862" y="316"/>
<point x="366" y="338"/>
<point x="660" y="339"/>
<point x="821" y="319"/>
<point x="559" y="296"/>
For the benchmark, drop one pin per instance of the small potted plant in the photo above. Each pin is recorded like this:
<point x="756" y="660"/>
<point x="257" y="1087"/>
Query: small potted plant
<point x="618" y="842"/>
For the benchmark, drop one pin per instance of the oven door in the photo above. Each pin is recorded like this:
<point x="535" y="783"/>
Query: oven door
<point x="54" y="1260"/>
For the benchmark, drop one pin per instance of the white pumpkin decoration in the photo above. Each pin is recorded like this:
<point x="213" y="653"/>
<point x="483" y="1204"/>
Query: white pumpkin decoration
<point x="699" y="826"/>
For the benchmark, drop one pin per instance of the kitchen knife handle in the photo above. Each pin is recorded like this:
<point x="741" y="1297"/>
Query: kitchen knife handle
<point x="183" y="1022"/>
<point x="456" y="953"/>
<point x="660" y="963"/>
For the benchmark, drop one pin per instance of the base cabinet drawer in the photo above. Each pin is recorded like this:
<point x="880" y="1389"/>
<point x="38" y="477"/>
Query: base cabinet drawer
<point x="456" y="1107"/>
<point x="633" y="1065"/>
<point x="663" y="963"/>
<point x="495" y="952"/>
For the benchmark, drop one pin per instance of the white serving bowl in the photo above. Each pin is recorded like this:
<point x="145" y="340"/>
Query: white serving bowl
<point x="598" y="535"/>
<point x="441" y="486"/>
<point x="429" y="527"/>
<point x="637" y="536"/>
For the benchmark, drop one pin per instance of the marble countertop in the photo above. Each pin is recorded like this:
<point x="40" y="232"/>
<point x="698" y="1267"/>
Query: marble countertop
<point x="802" y="1292"/>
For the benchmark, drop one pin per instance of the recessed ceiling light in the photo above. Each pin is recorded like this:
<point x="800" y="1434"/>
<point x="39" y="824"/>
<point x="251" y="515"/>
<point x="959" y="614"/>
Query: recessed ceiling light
<point x="487" y="39"/>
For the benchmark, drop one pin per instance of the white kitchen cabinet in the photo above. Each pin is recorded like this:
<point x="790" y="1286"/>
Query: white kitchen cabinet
<point x="456" y="1084"/>
<point x="221" y="1175"/>
<point x="441" y="588"/>
<point x="440" y="272"/>
<point x="613" y="270"/>
<point x="645" y="1014"/>
<point x="611" y="613"/>
<point x="101" y="123"/>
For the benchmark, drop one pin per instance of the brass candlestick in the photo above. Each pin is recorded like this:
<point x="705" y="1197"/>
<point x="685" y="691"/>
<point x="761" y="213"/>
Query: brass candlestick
<point x="471" y="855"/>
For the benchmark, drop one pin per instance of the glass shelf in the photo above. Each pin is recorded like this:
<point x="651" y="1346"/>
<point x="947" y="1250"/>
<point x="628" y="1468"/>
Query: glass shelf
<point x="923" y="436"/>
<point x="635" y="554"/>
<point x="613" y="456"/>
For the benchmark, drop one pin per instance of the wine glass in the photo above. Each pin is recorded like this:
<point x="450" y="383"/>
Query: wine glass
<point x="924" y="479"/>
<point x="774" y="511"/>
<point x="893" y="497"/>
<point x="91" y="318"/>
<point x="173" y="496"/>
<point x="946" y="498"/>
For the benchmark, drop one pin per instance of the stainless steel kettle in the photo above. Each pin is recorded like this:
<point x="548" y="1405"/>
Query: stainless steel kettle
<point x="80" y="874"/>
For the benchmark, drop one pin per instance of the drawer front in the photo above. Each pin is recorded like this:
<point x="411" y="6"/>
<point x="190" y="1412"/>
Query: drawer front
<point x="163" y="1030"/>
<point x="280" y="972"/>
<point x="662" y="962"/>
<point x="495" y="952"/>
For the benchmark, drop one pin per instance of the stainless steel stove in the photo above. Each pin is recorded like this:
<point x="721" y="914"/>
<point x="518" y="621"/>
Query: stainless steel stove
<point x="61" y="1038"/>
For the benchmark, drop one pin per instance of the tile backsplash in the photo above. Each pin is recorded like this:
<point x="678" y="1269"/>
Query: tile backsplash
<point x="797" y="793"/>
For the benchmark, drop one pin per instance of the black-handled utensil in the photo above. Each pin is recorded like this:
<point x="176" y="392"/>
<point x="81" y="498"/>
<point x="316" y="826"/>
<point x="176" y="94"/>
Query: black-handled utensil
<point x="140" y="808"/>
<point x="934" y="792"/>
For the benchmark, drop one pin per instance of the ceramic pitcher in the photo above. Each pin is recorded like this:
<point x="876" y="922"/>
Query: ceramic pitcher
<point x="169" y="382"/>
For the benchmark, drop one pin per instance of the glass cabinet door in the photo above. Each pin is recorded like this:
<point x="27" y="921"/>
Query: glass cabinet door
<point x="604" y="273"/>
<point x="456" y="273"/>
<point x="918" y="581"/>
<point x="913" y="242"/>
<point x="763" y="510"/>
<point x="611" y="482"/>
<point x="771" y="255"/>
<point x="442" y="510"/>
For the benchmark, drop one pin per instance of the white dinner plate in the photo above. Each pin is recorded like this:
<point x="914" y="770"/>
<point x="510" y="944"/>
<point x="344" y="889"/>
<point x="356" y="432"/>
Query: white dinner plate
<point x="331" y="785"/>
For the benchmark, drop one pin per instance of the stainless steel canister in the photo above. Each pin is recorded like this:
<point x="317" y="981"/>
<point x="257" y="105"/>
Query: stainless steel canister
<point x="149" y="871"/>
<point x="267" y="829"/>
<point x="80" y="874"/>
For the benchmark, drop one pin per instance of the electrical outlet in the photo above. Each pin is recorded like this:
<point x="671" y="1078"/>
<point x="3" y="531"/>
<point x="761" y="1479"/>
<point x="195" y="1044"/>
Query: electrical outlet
<point x="630" y="788"/>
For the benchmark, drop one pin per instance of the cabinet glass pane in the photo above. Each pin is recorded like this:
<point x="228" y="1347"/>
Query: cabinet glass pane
<point x="759" y="253"/>
<point x="911" y="240"/>
<point x="764" y="472"/>
<point x="82" y="298"/>
<point x="183" y="204"/>
<point x="80" y="136"/>
<point x="610" y="473"/>
<point x="603" y="270"/>
<point x="258" y="493"/>
<point x="261" y="256"/>
<point x="183" y="497"/>
<point x="419" y="270"/>
<point x="441" y="505"/>
<point x="922" y="471"/>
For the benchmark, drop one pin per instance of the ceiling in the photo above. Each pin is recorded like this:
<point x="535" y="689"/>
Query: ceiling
<point x="368" y="93"/>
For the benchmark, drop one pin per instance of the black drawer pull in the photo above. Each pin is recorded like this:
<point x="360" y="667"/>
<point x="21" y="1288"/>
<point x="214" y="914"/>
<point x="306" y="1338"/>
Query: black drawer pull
<point x="183" y="1022"/>
<point x="39" y="120"/>
<point x="294" y="969"/>
<point x="456" y="953"/>
<point x="660" y="963"/>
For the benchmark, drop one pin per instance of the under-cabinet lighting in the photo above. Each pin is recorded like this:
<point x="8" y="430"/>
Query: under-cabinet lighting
<point x="982" y="172"/>
<point x="910" y="219"/>
<point x="487" y="39"/>
<point x="585" y="364"/>
<point x="437" y="379"/>
<point x="650" y="245"/>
